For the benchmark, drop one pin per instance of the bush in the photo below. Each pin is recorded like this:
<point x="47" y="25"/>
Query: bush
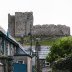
<point x="60" y="49"/>
<point x="63" y="64"/>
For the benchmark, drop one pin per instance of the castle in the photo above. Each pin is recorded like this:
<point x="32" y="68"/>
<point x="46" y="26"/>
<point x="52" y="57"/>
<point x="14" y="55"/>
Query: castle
<point x="21" y="24"/>
<point x="51" y="30"/>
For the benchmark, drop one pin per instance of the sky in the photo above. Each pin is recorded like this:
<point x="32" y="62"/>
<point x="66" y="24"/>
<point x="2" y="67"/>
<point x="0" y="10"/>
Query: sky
<point x="44" y="11"/>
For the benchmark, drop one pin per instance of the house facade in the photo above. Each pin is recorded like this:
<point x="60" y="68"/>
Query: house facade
<point x="23" y="58"/>
<point x="7" y="50"/>
<point x="11" y="52"/>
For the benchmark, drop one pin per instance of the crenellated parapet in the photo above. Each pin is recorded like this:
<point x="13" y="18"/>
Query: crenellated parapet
<point x="51" y="30"/>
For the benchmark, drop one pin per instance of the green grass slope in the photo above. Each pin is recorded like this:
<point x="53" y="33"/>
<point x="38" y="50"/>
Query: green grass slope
<point x="44" y="41"/>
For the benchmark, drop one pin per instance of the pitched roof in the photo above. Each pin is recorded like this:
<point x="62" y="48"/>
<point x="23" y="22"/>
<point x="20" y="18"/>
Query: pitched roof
<point x="7" y="36"/>
<point x="2" y="30"/>
<point x="21" y="50"/>
<point x="42" y="53"/>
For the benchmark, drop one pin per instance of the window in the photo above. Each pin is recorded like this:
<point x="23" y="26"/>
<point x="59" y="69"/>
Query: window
<point x="9" y="49"/>
<point x="12" y="49"/>
<point x="20" y="62"/>
<point x="1" y="45"/>
<point x="47" y="63"/>
<point x="6" y="47"/>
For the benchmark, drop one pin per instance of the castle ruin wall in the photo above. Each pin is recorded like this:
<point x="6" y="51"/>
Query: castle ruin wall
<point x="21" y="24"/>
<point x="51" y="30"/>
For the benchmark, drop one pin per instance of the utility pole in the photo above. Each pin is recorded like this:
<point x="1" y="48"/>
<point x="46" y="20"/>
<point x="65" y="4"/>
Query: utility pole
<point x="22" y="39"/>
<point x="38" y="67"/>
<point x="30" y="34"/>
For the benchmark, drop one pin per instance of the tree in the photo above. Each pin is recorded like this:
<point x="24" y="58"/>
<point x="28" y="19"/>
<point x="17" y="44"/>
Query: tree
<point x="60" y="49"/>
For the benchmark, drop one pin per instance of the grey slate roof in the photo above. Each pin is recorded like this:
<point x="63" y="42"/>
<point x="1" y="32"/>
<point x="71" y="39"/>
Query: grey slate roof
<point x="42" y="53"/>
<point x="21" y="50"/>
<point x="5" y="33"/>
<point x="2" y="30"/>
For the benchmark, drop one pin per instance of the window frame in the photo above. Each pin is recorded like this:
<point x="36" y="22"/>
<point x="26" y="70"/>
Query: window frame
<point x="20" y="60"/>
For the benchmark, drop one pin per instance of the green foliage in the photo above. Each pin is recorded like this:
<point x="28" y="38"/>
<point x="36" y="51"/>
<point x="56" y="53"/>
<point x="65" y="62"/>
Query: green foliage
<point x="47" y="42"/>
<point x="64" y="64"/>
<point x="43" y="41"/>
<point x="60" y="49"/>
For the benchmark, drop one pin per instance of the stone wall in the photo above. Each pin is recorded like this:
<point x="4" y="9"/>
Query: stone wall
<point x="20" y="58"/>
<point x="20" y="24"/>
<point x="11" y="24"/>
<point x="23" y="23"/>
<point x="51" y="30"/>
<point x="29" y="64"/>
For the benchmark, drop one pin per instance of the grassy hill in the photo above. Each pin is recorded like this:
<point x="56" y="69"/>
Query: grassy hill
<point x="42" y="41"/>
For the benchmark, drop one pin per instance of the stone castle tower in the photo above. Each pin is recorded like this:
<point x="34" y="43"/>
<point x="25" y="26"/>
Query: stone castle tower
<point x="20" y="24"/>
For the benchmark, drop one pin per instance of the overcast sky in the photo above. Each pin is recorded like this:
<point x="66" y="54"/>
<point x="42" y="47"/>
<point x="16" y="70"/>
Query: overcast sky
<point x="44" y="11"/>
